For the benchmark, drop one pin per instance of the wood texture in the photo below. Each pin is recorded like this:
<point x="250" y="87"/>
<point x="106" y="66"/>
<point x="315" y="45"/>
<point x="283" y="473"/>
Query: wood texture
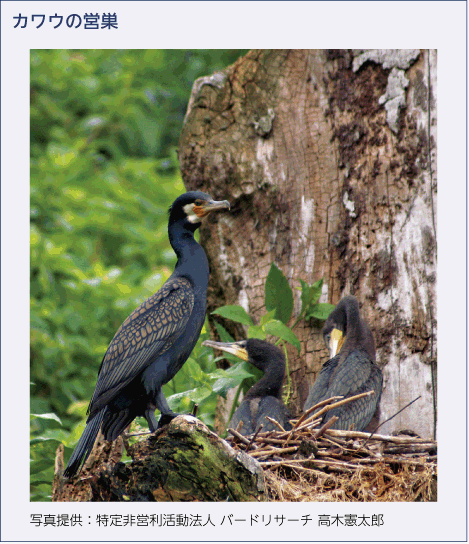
<point x="329" y="161"/>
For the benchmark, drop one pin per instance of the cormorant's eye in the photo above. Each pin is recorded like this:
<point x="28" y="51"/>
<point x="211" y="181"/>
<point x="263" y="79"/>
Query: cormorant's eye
<point x="199" y="202"/>
<point x="328" y="338"/>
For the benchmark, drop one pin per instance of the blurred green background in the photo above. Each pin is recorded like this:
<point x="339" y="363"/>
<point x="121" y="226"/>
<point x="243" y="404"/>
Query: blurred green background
<point x="104" y="171"/>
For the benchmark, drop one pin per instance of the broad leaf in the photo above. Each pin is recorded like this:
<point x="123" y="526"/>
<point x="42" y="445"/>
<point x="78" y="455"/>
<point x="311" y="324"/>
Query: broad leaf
<point x="196" y="395"/>
<point x="310" y="294"/>
<point x="277" y="328"/>
<point x="224" y="335"/>
<point x="278" y="294"/>
<point x="235" y="313"/>
<point x="255" y="331"/>
<point x="267" y="317"/>
<point x="39" y="466"/>
<point x="41" y="439"/>
<point x="321" y="311"/>
<point x="231" y="377"/>
<point x="46" y="416"/>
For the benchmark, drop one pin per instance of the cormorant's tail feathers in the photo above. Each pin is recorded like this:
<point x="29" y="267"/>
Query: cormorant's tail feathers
<point x="85" y="445"/>
<point x="115" y="423"/>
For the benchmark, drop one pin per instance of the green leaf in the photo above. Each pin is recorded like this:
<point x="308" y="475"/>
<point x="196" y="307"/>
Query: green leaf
<point x="255" y="331"/>
<point x="46" y="416"/>
<point x="310" y="294"/>
<point x="224" y="335"/>
<point x="267" y="317"/>
<point x="39" y="466"/>
<point x="235" y="313"/>
<point x="278" y="294"/>
<point x="41" y="439"/>
<point x="277" y="328"/>
<point x="231" y="377"/>
<point x="197" y="395"/>
<point x="320" y="311"/>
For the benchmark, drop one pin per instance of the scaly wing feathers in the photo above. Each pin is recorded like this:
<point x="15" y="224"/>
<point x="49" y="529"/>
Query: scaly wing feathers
<point x="146" y="334"/>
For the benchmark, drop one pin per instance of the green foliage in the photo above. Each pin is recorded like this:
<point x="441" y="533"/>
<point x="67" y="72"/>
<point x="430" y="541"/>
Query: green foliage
<point x="278" y="294"/>
<point x="104" y="130"/>
<point x="42" y="454"/>
<point x="206" y="382"/>
<point x="235" y="313"/>
<point x="279" y="305"/>
<point x="277" y="328"/>
<point x="310" y="307"/>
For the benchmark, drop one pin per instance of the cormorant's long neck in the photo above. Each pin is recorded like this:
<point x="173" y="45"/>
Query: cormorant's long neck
<point x="192" y="261"/>
<point x="358" y="334"/>
<point x="271" y="382"/>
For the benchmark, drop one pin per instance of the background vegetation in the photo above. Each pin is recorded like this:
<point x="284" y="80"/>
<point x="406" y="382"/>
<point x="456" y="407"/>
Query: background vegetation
<point x="104" y="129"/>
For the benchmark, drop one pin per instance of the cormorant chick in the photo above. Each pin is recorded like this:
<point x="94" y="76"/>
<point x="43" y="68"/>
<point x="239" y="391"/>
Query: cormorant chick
<point x="156" y="339"/>
<point x="351" y="370"/>
<point x="265" y="396"/>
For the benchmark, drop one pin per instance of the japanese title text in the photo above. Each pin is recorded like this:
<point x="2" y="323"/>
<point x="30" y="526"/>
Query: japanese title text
<point x="88" y="21"/>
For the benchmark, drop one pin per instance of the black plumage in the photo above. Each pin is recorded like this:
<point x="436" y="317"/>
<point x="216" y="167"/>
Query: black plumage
<point x="351" y="370"/>
<point x="264" y="398"/>
<point x="155" y="340"/>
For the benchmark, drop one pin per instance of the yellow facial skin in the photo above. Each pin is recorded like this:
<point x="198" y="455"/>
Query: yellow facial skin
<point x="230" y="347"/>
<point x="336" y="342"/>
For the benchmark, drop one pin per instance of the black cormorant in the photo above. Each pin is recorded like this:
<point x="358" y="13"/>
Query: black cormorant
<point x="350" y="370"/>
<point x="155" y="340"/>
<point x="265" y="396"/>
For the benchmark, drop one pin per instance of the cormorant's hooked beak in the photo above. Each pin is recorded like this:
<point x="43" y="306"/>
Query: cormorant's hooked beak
<point x="236" y="348"/>
<point x="210" y="206"/>
<point x="336" y="342"/>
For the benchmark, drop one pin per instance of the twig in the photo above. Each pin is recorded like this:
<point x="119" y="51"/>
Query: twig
<point x="326" y="426"/>
<point x="381" y="437"/>
<point x="392" y="417"/>
<point x="342" y="402"/>
<point x="278" y="463"/>
<point x="254" y="437"/>
<point x="326" y="409"/>
<point x="276" y="423"/>
<point x="268" y="440"/>
<point x="274" y="451"/>
<point x="313" y="408"/>
<point x="240" y="437"/>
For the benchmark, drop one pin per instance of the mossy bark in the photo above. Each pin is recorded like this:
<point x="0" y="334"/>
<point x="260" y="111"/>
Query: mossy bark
<point x="184" y="461"/>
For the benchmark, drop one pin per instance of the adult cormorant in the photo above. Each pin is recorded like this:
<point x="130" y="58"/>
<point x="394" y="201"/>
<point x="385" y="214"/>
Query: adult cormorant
<point x="155" y="340"/>
<point x="265" y="396"/>
<point x="350" y="370"/>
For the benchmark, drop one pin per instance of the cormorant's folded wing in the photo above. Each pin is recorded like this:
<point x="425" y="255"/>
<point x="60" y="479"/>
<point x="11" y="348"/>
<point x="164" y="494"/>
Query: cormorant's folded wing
<point x="358" y="374"/>
<point x="148" y="332"/>
<point x="320" y="388"/>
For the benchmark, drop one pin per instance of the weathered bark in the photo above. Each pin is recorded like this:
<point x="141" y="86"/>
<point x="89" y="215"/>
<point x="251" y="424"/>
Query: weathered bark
<point x="329" y="161"/>
<point x="78" y="489"/>
<point x="184" y="461"/>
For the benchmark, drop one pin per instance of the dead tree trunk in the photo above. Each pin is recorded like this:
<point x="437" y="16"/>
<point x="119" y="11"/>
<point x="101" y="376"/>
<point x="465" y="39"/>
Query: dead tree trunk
<point x="183" y="461"/>
<point x="329" y="161"/>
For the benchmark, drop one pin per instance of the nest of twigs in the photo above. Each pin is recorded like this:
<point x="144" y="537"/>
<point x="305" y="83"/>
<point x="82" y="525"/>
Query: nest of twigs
<point x="315" y="463"/>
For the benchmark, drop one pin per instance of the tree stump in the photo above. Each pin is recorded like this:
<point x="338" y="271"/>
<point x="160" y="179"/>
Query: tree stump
<point x="184" y="461"/>
<point x="328" y="158"/>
